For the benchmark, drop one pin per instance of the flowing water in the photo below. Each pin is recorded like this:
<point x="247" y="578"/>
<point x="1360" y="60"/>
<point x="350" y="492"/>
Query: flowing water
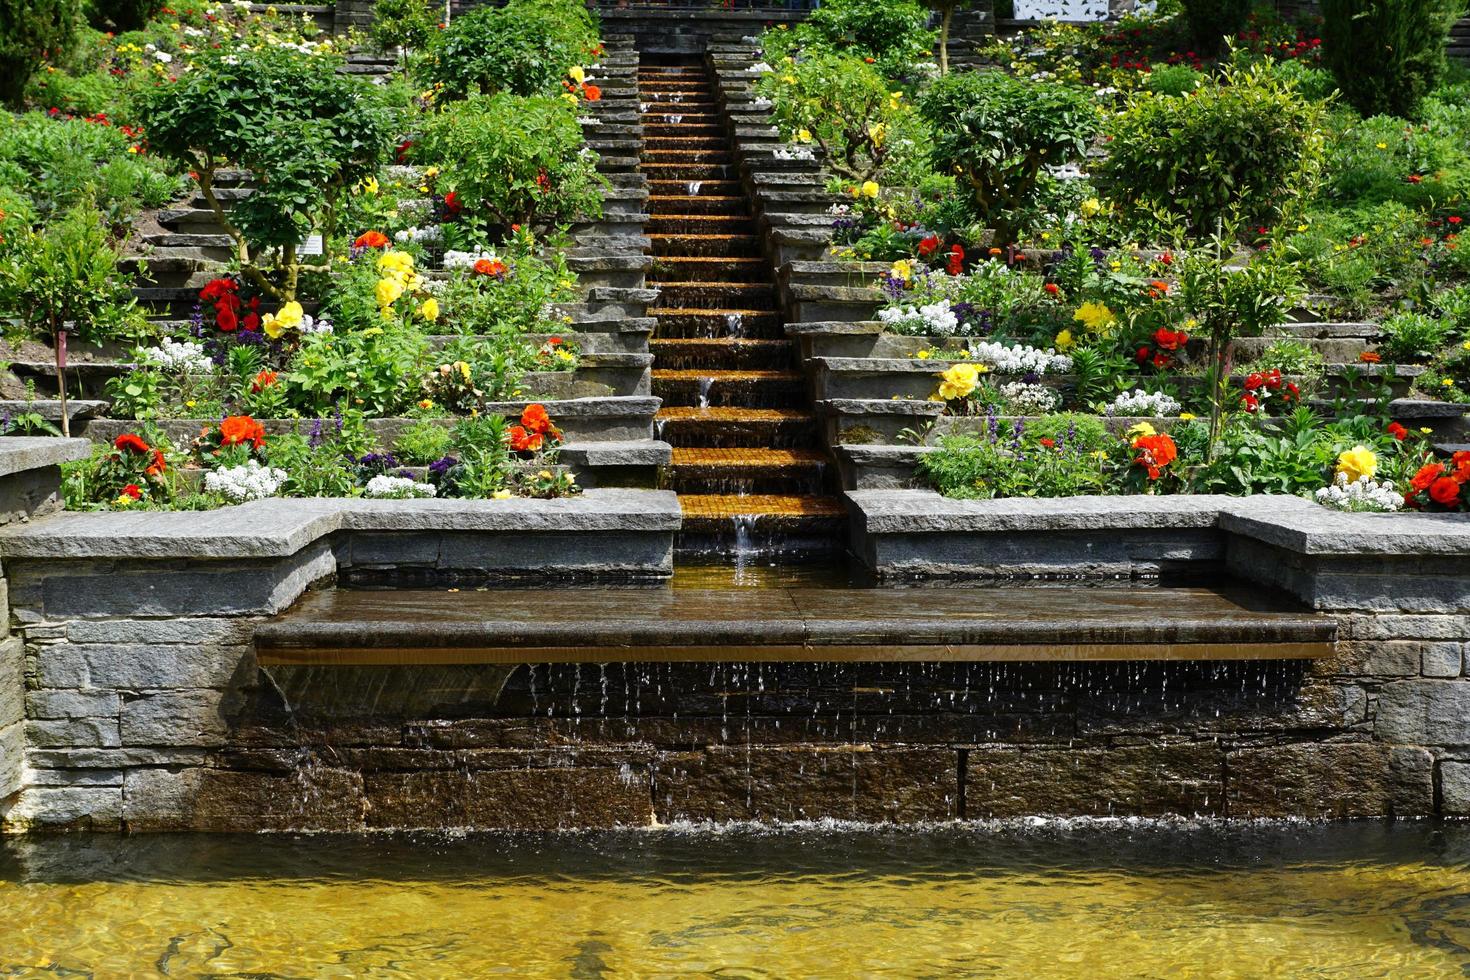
<point x="1056" y="901"/>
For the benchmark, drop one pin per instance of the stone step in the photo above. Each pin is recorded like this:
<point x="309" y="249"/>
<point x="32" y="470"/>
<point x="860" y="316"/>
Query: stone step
<point x="751" y="389"/>
<point x="784" y="513"/>
<point x="708" y="245"/>
<point x="707" y="268"/>
<point x="716" y="295"/>
<point x="733" y="427"/>
<point x="700" y="224"/>
<point x="695" y="188"/>
<point x="674" y="322"/>
<point x="670" y="204"/>
<point x="745" y="471"/>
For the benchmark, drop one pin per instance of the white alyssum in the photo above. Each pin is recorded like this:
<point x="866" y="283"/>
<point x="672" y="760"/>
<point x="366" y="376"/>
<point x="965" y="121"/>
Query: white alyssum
<point x="1019" y="359"/>
<point x="759" y="68"/>
<point x="178" y="355"/>
<point x="1361" y="495"/>
<point x="1143" y="404"/>
<point x="935" y="318"/>
<point x="455" y="259"/>
<point x="431" y="233"/>
<point x="248" y="481"/>
<point x="398" y="488"/>
<point x="1030" y="399"/>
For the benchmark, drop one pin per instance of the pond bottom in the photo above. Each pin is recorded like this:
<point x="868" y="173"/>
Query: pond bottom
<point x="1056" y="900"/>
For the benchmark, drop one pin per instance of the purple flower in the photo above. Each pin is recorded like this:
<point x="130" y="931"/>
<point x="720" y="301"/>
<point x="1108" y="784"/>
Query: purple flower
<point x="315" y="439"/>
<point x="439" y="467"/>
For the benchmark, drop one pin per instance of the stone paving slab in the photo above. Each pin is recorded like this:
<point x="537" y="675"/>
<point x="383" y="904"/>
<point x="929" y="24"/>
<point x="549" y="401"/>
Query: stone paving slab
<point x="21" y="453"/>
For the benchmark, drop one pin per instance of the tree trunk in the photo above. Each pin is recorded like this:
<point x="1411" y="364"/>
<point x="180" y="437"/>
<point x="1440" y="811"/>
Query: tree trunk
<point x="60" y="336"/>
<point x="944" y="21"/>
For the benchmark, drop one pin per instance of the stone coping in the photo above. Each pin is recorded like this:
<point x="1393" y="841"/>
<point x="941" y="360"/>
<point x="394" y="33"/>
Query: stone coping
<point x="21" y="453"/>
<point x="278" y="528"/>
<point x="1292" y="523"/>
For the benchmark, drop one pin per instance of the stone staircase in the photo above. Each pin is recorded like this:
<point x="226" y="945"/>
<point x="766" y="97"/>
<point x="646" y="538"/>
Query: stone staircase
<point x="746" y="457"/>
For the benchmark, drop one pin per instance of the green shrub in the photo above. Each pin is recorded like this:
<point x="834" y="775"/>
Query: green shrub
<point x="1251" y="148"/>
<point x="306" y="133"/>
<point x="404" y="24"/>
<point x="1011" y="462"/>
<point x="1414" y="337"/>
<point x="58" y="163"/>
<point x="525" y="48"/>
<point x="423" y="442"/>
<point x="30" y="32"/>
<point x="849" y="112"/>
<point x="1316" y="84"/>
<point x="1173" y="80"/>
<point x="1370" y="163"/>
<point x="996" y="133"/>
<point x="1386" y="54"/>
<point x="124" y="15"/>
<point x="1212" y="21"/>
<point x="513" y="159"/>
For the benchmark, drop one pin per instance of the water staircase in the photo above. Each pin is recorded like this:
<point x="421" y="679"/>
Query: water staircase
<point x="736" y="410"/>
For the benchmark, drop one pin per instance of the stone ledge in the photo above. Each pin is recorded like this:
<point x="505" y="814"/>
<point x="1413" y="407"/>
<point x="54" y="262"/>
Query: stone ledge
<point x="278" y="527"/>
<point x="21" y="453"/>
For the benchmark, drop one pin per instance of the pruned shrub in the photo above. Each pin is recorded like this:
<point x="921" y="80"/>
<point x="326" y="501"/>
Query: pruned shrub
<point x="1386" y="54"/>
<point x="1212" y="21"/>
<point x="524" y="48"/>
<point x="30" y="32"/>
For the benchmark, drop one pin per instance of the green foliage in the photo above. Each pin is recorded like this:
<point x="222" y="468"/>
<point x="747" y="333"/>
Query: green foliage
<point x="1289" y="356"/>
<point x="30" y="32"/>
<point x="1292" y="459"/>
<point x="1386" y="54"/>
<point x="408" y="24"/>
<point x="996" y="133"/>
<point x="894" y="34"/>
<point x="124" y="15"/>
<point x="1211" y="21"/>
<point x="1248" y="148"/>
<point x="59" y="163"/>
<point x="514" y="159"/>
<point x="1370" y="161"/>
<point x="423" y="442"/>
<point x="1011" y="462"/>
<point x="304" y="131"/>
<point x="524" y="48"/>
<point x="514" y="302"/>
<point x="1414" y="337"/>
<point x="375" y="371"/>
<point x="864" y="130"/>
<point x="1173" y="80"/>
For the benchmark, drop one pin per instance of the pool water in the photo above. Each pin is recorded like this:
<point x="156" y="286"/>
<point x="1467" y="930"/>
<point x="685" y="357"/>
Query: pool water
<point x="1059" y="901"/>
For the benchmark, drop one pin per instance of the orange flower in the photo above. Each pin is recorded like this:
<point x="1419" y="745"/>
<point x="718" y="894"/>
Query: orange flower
<point x="159" y="465"/>
<point x="1370" y="357"/>
<point x="132" y="490"/>
<point x="522" y="441"/>
<point x="535" y="419"/>
<point x="1154" y="453"/>
<point x="1426" y="476"/>
<point x="240" y="429"/>
<point x="490" y="267"/>
<point x="264" y="379"/>
<point x="371" y="239"/>
<point x="591" y="93"/>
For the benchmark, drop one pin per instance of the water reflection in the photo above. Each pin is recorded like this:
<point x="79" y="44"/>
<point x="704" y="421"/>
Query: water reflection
<point x="1054" y="900"/>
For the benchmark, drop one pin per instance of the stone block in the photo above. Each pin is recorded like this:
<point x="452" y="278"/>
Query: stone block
<point x="12" y="680"/>
<point x="510" y="799"/>
<point x="808" y="782"/>
<point x="1454" y="789"/>
<point x="96" y="808"/>
<point x="1186" y="779"/>
<point x="76" y="777"/>
<point x="162" y="632"/>
<point x="1443" y="659"/>
<point x="121" y="758"/>
<point x="12" y="757"/>
<point x="73" y="732"/>
<point x="58" y="704"/>
<point x="1424" y="712"/>
<point x="219" y="800"/>
<point x="141" y="666"/>
<point x="1392" y="627"/>
<point x="1329" y="781"/>
<point x="180" y="718"/>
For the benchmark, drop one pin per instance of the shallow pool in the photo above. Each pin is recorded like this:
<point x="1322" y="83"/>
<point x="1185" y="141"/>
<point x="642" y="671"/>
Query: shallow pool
<point x="1090" y="900"/>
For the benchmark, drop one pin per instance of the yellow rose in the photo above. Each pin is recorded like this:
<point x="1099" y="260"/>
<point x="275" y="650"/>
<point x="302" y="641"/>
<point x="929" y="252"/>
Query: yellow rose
<point x="430" y="309"/>
<point x="388" y="291"/>
<point x="1356" y="463"/>
<point x="869" y="189"/>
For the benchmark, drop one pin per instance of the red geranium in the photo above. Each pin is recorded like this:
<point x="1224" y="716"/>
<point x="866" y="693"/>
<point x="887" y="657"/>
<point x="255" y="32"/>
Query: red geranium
<point x="1445" y="491"/>
<point x="452" y="203"/>
<point x="1398" y="431"/>
<point x="132" y="443"/>
<point x="132" y="490"/>
<point x="1170" y="340"/>
<point x="1154" y="453"/>
<point x="225" y="319"/>
<point x="371" y="239"/>
<point x="929" y="246"/>
<point x="591" y="93"/>
<point x="489" y="267"/>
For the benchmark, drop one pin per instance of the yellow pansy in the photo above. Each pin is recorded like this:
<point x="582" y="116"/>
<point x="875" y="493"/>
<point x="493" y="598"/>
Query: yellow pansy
<point x="369" y="186"/>
<point x="501" y="495"/>
<point x="1356" y="463"/>
<point x="569" y="98"/>
<point x="877" y="133"/>
<point x="429" y="309"/>
<point x="1064" y="340"/>
<point x="1187" y="416"/>
<point x="464" y="369"/>
<point x="902" y="269"/>
<point x="396" y="264"/>
<point x="388" y="291"/>
<point x="923" y="355"/>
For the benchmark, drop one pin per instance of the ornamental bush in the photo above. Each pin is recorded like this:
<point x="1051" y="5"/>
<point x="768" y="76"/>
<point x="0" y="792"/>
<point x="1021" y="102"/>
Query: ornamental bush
<point x="1386" y="54"/>
<point x="305" y="132"/>
<point x="124" y="15"/>
<point x="30" y="32"/>
<point x="844" y="106"/>
<point x="404" y="24"/>
<point x="1212" y="21"/>
<point x="893" y="34"/>
<point x="514" y="160"/>
<point x="995" y="133"/>
<point x="524" y="48"/>
<point x="1248" y="148"/>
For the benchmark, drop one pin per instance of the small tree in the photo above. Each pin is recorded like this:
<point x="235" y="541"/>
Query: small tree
<point x="514" y="159"/>
<point x="404" y="24"/>
<point x="1212" y="21"/>
<point x="306" y="134"/>
<point x="996" y="133"/>
<point x="1386" y="54"/>
<point x="63" y="281"/>
<point x="525" y="48"/>
<point x="945" y="9"/>
<point x="30" y="32"/>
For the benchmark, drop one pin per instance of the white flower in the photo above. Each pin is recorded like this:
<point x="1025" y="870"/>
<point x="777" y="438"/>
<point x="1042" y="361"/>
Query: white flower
<point x="935" y="318"/>
<point x="163" y="56"/>
<point x="178" y="355"/>
<point x="249" y="481"/>
<point x="1019" y="359"/>
<point x="1146" y="404"/>
<point x="431" y="233"/>
<point x="1029" y="399"/>
<point x="463" y="260"/>
<point x="761" y="102"/>
<point x="759" y="68"/>
<point x="398" y="488"/>
<point x="310" y="325"/>
<point x="1361" y="495"/>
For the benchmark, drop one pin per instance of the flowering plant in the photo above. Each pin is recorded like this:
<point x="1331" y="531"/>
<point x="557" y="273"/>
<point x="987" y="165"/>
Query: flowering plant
<point x="246" y="481"/>
<point x="1441" y="486"/>
<point x="1267" y="389"/>
<point x="1153" y="452"/>
<point x="231" y="443"/>
<point x="535" y="433"/>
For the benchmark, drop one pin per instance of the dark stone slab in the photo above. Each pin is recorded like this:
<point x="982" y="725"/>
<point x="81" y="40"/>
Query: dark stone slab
<point x="1129" y="781"/>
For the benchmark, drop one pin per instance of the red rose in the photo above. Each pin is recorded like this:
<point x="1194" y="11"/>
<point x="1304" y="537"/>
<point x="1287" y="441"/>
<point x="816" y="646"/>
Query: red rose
<point x="1444" y="491"/>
